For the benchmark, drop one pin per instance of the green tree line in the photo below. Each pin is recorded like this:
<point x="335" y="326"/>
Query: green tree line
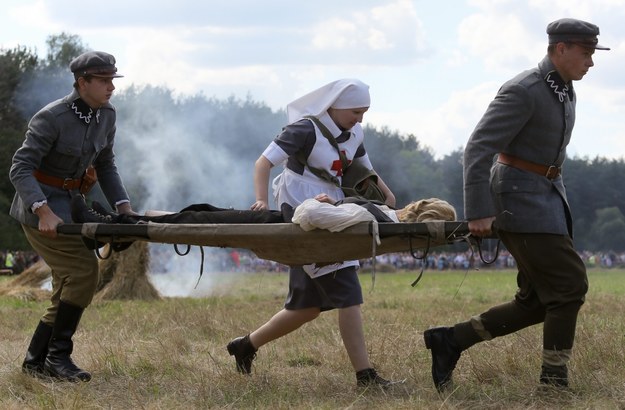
<point x="176" y="150"/>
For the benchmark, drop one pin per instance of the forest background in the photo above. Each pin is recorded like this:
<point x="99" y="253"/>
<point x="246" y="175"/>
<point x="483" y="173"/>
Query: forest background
<point x="174" y="150"/>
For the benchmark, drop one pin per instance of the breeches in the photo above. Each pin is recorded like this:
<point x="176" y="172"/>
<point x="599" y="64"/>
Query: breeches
<point x="552" y="284"/>
<point x="74" y="269"/>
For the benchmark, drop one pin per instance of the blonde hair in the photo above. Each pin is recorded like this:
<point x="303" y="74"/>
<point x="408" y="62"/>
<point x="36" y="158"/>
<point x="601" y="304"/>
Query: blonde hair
<point x="426" y="210"/>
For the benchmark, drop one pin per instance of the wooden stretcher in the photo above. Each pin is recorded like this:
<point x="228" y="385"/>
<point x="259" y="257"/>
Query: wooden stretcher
<point x="285" y="243"/>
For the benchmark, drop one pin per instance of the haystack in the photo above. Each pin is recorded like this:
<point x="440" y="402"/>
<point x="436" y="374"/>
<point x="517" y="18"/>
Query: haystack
<point x="27" y="285"/>
<point x="124" y="275"/>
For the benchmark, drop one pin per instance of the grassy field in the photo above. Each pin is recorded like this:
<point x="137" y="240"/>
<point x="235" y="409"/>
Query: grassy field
<point x="171" y="354"/>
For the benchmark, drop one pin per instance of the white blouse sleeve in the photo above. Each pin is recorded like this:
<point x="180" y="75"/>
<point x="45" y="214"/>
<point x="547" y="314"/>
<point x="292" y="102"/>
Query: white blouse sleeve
<point x="275" y="154"/>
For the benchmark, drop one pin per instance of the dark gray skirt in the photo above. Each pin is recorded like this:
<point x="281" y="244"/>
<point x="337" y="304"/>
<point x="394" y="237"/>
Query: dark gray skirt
<point x="339" y="289"/>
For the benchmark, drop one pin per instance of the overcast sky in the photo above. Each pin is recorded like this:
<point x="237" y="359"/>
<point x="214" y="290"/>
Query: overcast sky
<point x="433" y="66"/>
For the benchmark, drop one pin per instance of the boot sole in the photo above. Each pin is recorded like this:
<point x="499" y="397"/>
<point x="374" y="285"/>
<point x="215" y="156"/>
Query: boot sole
<point x="70" y="379"/>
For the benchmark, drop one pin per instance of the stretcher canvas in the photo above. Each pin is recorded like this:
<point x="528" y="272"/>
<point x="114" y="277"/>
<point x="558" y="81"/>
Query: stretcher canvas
<point x="285" y="243"/>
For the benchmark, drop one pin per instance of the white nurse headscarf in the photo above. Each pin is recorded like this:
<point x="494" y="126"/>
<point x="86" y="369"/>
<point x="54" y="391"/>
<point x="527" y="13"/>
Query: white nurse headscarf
<point x="341" y="94"/>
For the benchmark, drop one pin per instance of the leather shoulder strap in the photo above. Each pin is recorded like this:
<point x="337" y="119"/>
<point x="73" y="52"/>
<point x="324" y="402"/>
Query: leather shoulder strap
<point x="326" y="133"/>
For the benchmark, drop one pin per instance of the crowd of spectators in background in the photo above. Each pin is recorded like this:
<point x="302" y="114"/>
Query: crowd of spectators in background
<point x="14" y="262"/>
<point x="489" y="260"/>
<point x="241" y="260"/>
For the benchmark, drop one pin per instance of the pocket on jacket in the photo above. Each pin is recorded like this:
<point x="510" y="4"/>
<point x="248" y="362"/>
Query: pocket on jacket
<point x="68" y="149"/>
<point x="63" y="160"/>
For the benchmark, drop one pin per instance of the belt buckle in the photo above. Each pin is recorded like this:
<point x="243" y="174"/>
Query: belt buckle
<point x="552" y="172"/>
<point x="68" y="184"/>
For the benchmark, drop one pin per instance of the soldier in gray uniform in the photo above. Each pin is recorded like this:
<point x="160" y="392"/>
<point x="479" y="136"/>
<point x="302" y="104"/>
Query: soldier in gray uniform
<point x="63" y="139"/>
<point x="527" y="127"/>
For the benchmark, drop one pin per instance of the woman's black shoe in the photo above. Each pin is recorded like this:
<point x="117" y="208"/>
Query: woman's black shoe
<point x="244" y="353"/>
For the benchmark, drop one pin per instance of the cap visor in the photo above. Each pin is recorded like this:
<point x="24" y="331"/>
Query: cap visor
<point x="590" y="46"/>
<point x="106" y="75"/>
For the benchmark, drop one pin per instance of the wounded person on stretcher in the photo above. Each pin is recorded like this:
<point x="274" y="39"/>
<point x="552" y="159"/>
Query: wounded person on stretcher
<point x="431" y="209"/>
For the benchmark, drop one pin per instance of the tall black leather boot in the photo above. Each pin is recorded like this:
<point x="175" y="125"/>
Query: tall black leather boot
<point x="59" y="363"/>
<point x="37" y="350"/>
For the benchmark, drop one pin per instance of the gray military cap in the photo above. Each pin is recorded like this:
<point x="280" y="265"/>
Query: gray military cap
<point x="580" y="32"/>
<point x="94" y="63"/>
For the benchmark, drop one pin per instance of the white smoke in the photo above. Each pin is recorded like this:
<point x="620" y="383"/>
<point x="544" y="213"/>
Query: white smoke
<point x="177" y="275"/>
<point x="174" y="153"/>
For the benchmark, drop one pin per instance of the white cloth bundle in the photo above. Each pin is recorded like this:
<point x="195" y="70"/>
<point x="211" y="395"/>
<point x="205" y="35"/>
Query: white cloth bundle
<point x="312" y="214"/>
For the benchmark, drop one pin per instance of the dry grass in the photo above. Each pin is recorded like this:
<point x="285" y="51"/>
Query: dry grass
<point x="170" y="353"/>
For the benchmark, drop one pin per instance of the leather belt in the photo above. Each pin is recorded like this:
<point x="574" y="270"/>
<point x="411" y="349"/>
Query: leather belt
<point x="64" y="183"/>
<point x="549" y="172"/>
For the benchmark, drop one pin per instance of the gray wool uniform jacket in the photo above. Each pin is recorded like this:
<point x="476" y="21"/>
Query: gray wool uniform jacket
<point x="60" y="143"/>
<point x="528" y="120"/>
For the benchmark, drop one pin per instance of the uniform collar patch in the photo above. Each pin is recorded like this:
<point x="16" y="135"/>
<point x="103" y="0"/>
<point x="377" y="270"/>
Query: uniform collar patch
<point x="557" y="85"/>
<point x="83" y="111"/>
